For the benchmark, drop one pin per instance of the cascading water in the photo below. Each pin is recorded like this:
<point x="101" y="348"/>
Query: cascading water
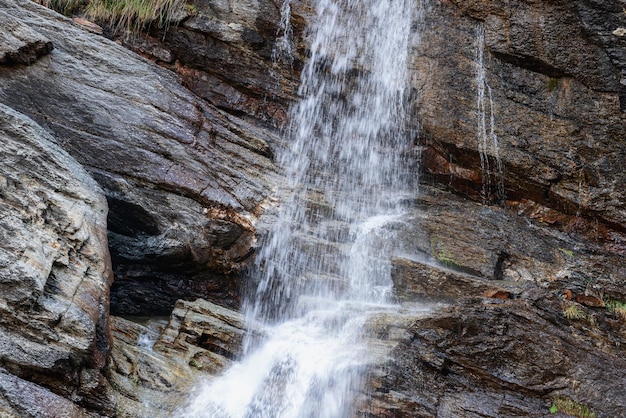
<point x="325" y="267"/>
<point x="487" y="138"/>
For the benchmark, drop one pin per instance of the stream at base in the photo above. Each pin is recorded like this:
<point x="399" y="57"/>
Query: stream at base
<point x="324" y="269"/>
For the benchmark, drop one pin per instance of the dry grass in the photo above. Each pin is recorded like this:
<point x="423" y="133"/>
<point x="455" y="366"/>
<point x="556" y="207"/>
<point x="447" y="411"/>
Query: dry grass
<point x="573" y="312"/>
<point x="134" y="15"/>
<point x="128" y="15"/>
<point x="616" y="306"/>
<point x="66" y="7"/>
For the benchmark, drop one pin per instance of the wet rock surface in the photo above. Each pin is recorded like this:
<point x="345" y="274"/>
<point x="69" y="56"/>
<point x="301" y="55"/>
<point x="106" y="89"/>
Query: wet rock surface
<point x="236" y="56"/>
<point x="488" y="357"/>
<point x="17" y="395"/>
<point x="552" y="108"/>
<point x="521" y="237"/>
<point x="184" y="181"/>
<point x="511" y="335"/>
<point x="153" y="368"/>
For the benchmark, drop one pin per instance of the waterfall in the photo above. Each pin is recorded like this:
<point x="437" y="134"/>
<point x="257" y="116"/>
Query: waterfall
<point x="325" y="266"/>
<point x="488" y="147"/>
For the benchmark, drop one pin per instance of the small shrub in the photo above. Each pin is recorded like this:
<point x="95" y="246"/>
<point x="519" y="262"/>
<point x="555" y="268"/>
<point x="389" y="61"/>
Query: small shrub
<point x="569" y="407"/>
<point x="552" y="84"/>
<point x="445" y="258"/>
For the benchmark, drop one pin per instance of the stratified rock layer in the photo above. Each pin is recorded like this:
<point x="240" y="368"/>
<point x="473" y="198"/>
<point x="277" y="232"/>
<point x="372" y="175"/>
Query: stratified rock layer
<point x="55" y="272"/>
<point x="184" y="181"/>
<point x="153" y="371"/>
<point x="550" y="124"/>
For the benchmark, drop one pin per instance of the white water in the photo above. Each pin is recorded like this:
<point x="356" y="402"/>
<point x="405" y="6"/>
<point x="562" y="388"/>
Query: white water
<point x="325" y="267"/>
<point x="488" y="146"/>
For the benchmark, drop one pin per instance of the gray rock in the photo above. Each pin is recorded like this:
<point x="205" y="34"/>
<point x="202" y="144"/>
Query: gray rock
<point x="56" y="271"/>
<point x="147" y="383"/>
<point x="494" y="358"/>
<point x="154" y="378"/>
<point x="204" y="335"/>
<point x="185" y="182"/>
<point x="414" y="280"/>
<point x="17" y="398"/>
<point x="19" y="44"/>
<point x="552" y="73"/>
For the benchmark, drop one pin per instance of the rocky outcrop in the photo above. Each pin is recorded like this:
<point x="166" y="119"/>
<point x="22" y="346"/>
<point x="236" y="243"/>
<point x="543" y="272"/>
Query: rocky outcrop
<point x="154" y="370"/>
<point x="551" y="76"/>
<point x="19" y="44"/>
<point x="487" y="357"/>
<point x="184" y="181"/>
<point x="520" y="318"/>
<point x="520" y="106"/>
<point x="17" y="395"/>
<point x="55" y="274"/>
<point x="243" y="57"/>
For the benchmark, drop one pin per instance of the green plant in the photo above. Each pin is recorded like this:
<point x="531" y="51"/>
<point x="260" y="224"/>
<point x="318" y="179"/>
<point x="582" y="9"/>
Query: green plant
<point x="552" y="84"/>
<point x="445" y="258"/>
<point x="616" y="306"/>
<point x="570" y="407"/>
<point x="191" y="9"/>
<point x="129" y="15"/>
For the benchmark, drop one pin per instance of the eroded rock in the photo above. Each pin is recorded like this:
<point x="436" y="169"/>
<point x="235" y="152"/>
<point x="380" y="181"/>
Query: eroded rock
<point x="17" y="395"/>
<point x="493" y="358"/>
<point x="56" y="271"/>
<point x="153" y="371"/>
<point x="19" y="44"/>
<point x="552" y="106"/>
<point x="204" y="335"/>
<point x="184" y="181"/>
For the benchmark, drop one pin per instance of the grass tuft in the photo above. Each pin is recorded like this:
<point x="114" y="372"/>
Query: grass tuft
<point x="65" y="7"/>
<point x="129" y="15"/>
<point x="573" y="312"/>
<point x="570" y="407"/>
<point x="616" y="306"/>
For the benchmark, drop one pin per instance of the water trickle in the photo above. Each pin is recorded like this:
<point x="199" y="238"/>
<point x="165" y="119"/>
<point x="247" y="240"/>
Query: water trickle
<point x="326" y="264"/>
<point x="488" y="147"/>
<point x="283" y="52"/>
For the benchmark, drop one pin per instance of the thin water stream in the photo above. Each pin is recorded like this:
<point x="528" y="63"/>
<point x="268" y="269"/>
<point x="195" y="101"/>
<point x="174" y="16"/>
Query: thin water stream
<point x="325" y="267"/>
<point x="488" y="147"/>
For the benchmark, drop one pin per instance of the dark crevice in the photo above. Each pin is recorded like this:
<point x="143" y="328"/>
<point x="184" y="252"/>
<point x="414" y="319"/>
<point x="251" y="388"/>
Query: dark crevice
<point x="530" y="63"/>
<point x="214" y="345"/>
<point x="498" y="273"/>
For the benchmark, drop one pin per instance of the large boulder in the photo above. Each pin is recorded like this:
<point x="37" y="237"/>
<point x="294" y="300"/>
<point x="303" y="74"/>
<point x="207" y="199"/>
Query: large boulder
<point x="55" y="273"/>
<point x="184" y="181"/>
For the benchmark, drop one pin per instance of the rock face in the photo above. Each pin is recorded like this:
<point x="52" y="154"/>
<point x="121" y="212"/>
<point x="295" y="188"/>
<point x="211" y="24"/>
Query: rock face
<point x="55" y="275"/>
<point x="243" y="57"/>
<point x="525" y="100"/>
<point x="184" y="181"/>
<point x="154" y="370"/>
<point x="486" y="357"/>
<point x="520" y="237"/>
